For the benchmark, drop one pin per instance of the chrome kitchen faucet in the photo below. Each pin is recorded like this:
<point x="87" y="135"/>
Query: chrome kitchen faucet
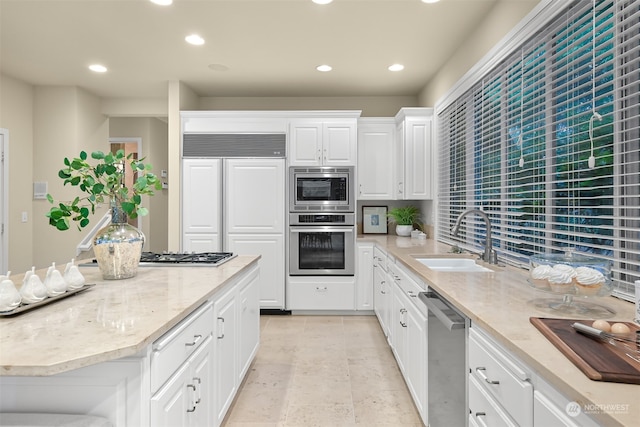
<point x="489" y="254"/>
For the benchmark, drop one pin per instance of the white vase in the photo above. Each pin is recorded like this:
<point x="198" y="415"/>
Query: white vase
<point x="404" y="230"/>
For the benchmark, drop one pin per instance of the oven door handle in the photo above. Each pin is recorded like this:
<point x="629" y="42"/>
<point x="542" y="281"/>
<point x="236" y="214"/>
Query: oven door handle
<point x="321" y="229"/>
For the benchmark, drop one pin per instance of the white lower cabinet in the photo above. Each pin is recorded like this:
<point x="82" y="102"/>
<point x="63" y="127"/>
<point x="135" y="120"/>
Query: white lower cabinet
<point x="321" y="293"/>
<point x="381" y="290"/>
<point x="186" y="398"/>
<point x="364" y="276"/>
<point x="552" y="409"/>
<point x="225" y="352"/>
<point x="503" y="391"/>
<point x="409" y="335"/>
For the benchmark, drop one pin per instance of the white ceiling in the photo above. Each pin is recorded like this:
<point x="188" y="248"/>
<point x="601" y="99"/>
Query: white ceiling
<point x="271" y="47"/>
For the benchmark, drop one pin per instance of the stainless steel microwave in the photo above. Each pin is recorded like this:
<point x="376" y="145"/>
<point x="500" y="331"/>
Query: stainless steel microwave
<point x="321" y="189"/>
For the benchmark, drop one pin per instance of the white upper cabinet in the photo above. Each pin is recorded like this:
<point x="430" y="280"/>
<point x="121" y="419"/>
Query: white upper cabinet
<point x="329" y="142"/>
<point x="414" y="154"/>
<point x="376" y="137"/>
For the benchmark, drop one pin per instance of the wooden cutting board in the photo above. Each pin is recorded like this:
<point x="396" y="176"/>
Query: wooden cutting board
<point x="598" y="360"/>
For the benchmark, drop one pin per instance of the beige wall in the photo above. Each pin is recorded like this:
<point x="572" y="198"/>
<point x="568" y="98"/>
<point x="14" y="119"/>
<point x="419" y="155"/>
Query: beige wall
<point x="153" y="133"/>
<point x="504" y="16"/>
<point x="16" y="115"/>
<point x="66" y="120"/>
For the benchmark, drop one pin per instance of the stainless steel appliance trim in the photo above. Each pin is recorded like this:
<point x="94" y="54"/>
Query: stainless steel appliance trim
<point x="349" y="250"/>
<point x="322" y="172"/>
<point x="448" y="315"/>
<point x="349" y="219"/>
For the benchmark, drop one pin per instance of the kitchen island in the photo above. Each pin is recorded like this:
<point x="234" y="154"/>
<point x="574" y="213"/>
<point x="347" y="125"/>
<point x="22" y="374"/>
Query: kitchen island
<point x="104" y="341"/>
<point x="499" y="303"/>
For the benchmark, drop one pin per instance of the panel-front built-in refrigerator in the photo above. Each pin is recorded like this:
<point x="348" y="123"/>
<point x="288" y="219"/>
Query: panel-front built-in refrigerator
<point x="237" y="204"/>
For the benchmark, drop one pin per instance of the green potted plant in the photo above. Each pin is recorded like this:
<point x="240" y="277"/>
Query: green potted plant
<point x="118" y="246"/>
<point x="404" y="217"/>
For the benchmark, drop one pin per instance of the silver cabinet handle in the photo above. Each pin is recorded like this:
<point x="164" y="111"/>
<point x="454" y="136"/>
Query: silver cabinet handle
<point x="195" y="341"/>
<point x="221" y="336"/>
<point x="480" y="370"/>
<point x="480" y="420"/>
<point x="192" y="409"/>
<point x="197" y="390"/>
<point x="321" y="288"/>
<point x="412" y="294"/>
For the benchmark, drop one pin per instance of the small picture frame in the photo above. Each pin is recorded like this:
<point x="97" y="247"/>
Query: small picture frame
<point x="374" y="220"/>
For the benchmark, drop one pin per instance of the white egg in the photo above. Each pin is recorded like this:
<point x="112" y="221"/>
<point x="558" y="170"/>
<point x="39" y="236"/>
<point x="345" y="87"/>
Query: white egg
<point x="620" y="328"/>
<point x="603" y="325"/>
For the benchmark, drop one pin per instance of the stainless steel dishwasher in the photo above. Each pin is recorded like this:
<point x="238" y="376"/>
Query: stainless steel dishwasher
<point x="447" y="330"/>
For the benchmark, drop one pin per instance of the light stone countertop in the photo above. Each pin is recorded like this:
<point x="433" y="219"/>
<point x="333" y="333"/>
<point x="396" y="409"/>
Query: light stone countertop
<point x="113" y="319"/>
<point x="499" y="303"/>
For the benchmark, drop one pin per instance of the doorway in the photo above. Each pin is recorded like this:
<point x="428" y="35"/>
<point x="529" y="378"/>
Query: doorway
<point x="131" y="146"/>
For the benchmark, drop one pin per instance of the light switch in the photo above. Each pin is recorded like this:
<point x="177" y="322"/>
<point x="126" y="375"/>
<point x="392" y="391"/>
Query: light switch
<point x="25" y="217"/>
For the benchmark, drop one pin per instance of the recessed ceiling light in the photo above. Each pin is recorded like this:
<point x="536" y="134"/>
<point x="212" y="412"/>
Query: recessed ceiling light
<point x="194" y="39"/>
<point x="324" y="68"/>
<point x="162" y="2"/>
<point x="430" y="1"/>
<point x="396" y="67"/>
<point x="98" y="68"/>
<point x="322" y="1"/>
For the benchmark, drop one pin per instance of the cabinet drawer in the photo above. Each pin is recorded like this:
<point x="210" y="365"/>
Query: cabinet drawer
<point x="173" y="348"/>
<point x="322" y="296"/>
<point x="483" y="410"/>
<point x="505" y="380"/>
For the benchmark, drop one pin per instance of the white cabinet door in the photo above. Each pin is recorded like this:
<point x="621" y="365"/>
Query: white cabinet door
<point x="339" y="143"/>
<point x="364" y="277"/>
<point x="398" y="328"/>
<point x="314" y="142"/>
<point x="381" y="298"/>
<point x="225" y="353"/>
<point x="272" y="264"/>
<point x="170" y="404"/>
<point x="413" y="154"/>
<point x="376" y="155"/>
<point x="199" y="386"/>
<point x="305" y="143"/>
<point x="254" y="195"/>
<point x="417" y="159"/>
<point x="201" y="242"/>
<point x="249" y="306"/>
<point x="416" y="356"/>
<point x="201" y="189"/>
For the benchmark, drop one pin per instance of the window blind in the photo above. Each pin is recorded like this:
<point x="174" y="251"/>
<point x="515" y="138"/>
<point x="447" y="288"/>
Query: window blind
<point x="547" y="143"/>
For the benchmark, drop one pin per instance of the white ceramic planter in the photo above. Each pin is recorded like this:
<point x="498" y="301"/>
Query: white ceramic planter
<point x="404" y="230"/>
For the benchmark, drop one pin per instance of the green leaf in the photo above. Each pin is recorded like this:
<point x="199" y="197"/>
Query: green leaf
<point x="83" y="155"/>
<point x="84" y="212"/>
<point x="128" y="207"/>
<point x="143" y="211"/>
<point x="49" y="198"/>
<point x="62" y="224"/>
<point x="98" y="188"/>
<point x="63" y="174"/>
<point x="84" y="222"/>
<point x="98" y="155"/>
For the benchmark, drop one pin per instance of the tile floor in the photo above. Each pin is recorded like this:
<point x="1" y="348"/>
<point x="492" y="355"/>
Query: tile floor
<point x="322" y="371"/>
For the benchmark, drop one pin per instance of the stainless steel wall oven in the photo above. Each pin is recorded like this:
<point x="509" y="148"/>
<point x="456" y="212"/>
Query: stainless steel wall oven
<point x="321" y="244"/>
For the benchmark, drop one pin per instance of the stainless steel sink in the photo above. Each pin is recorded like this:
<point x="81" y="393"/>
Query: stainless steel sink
<point x="460" y="264"/>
